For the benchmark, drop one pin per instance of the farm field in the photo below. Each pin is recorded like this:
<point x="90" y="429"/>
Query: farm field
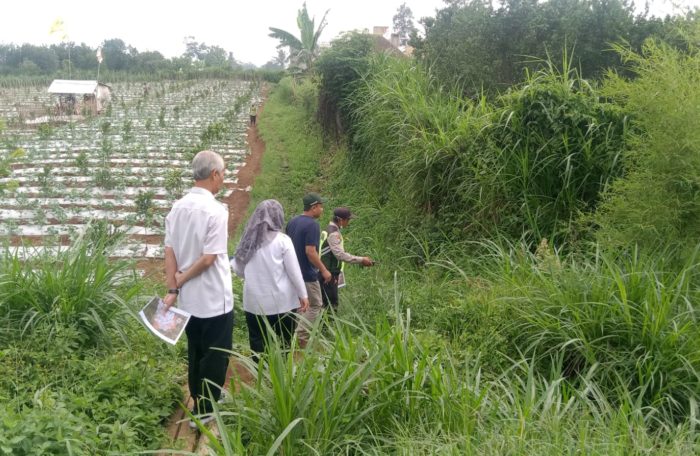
<point x="124" y="167"/>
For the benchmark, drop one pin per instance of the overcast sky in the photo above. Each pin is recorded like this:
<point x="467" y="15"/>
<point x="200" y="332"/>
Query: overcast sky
<point x="238" y="26"/>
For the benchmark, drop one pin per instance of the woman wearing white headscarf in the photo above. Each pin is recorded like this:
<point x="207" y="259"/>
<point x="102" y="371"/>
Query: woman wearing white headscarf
<point x="273" y="285"/>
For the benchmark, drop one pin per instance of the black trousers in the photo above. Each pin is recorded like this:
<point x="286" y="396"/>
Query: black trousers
<point x="283" y="325"/>
<point x="329" y="292"/>
<point x="204" y="337"/>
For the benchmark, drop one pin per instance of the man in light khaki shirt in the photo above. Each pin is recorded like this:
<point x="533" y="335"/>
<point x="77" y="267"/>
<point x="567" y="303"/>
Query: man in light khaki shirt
<point x="333" y="255"/>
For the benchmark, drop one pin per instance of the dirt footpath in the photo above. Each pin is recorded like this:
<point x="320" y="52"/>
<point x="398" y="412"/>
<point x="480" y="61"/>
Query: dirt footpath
<point x="239" y="198"/>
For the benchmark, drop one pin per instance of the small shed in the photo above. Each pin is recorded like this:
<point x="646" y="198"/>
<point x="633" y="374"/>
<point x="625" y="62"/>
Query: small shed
<point x="77" y="97"/>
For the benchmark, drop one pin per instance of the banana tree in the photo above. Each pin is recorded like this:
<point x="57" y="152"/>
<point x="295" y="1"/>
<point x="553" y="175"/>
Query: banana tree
<point x="303" y="50"/>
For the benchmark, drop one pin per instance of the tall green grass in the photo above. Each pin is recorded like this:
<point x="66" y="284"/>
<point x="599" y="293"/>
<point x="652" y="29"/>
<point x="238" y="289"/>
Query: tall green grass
<point x="630" y="324"/>
<point x="79" y="288"/>
<point x="524" y="165"/>
<point x="381" y="391"/>
<point x="507" y="352"/>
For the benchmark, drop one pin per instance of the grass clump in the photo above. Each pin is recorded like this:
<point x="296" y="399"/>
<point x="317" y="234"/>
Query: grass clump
<point x="80" y="287"/>
<point x="79" y="375"/>
<point x="382" y="391"/>
<point x="628" y="324"/>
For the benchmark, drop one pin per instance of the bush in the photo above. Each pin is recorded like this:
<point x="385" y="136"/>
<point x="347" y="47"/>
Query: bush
<point x="525" y="166"/>
<point x="559" y="146"/>
<point x="658" y="202"/>
<point x="80" y="287"/>
<point x="340" y="69"/>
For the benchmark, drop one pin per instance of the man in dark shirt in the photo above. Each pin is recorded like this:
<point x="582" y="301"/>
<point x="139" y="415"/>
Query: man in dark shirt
<point x="306" y="235"/>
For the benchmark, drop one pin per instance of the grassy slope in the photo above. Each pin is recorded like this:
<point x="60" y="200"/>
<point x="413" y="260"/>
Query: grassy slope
<point x="520" y="413"/>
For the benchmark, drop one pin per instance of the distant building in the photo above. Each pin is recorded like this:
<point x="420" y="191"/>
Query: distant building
<point x="390" y="41"/>
<point x="79" y="97"/>
<point x="380" y="30"/>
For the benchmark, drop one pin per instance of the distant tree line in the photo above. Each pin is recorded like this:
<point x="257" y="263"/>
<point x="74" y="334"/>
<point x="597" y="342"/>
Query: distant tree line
<point x="478" y="46"/>
<point x="60" y="60"/>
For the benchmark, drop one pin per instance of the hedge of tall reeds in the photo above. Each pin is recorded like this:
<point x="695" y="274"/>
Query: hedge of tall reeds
<point x="524" y="165"/>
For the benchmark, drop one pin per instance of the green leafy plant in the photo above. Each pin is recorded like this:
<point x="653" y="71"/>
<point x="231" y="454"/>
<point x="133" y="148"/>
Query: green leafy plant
<point x="81" y="162"/>
<point x="214" y="132"/>
<point x="45" y="131"/>
<point x="80" y="287"/>
<point x="144" y="204"/>
<point x="103" y="178"/>
<point x="44" y="176"/>
<point x="105" y="127"/>
<point x="6" y="162"/>
<point x="173" y="182"/>
<point x="161" y="117"/>
<point x="127" y="126"/>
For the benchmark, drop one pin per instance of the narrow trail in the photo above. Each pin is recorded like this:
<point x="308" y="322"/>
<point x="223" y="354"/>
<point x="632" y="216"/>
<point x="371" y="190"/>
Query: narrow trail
<point x="184" y="438"/>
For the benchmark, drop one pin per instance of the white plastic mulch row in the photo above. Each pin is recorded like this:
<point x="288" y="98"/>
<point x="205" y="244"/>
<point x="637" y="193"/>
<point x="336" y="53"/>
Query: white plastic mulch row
<point x="154" y="159"/>
<point x="130" y="250"/>
<point x="54" y="213"/>
<point x="103" y="202"/>
<point x="62" y="229"/>
<point x="91" y="192"/>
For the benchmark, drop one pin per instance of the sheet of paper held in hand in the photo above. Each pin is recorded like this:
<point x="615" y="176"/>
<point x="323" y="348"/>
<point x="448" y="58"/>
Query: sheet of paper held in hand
<point x="166" y="325"/>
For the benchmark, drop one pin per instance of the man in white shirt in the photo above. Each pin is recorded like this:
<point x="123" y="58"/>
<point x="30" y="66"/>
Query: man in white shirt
<point x="198" y="276"/>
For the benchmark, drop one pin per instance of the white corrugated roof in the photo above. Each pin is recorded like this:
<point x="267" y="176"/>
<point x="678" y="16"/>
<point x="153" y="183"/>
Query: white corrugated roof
<point x="69" y="86"/>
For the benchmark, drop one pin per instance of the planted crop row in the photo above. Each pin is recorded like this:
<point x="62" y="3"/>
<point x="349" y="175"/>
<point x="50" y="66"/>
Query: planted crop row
<point x="125" y="166"/>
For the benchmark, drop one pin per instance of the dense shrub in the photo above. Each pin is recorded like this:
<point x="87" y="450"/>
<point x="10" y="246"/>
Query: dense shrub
<point x="340" y="68"/>
<point x="525" y="165"/>
<point x="658" y="202"/>
<point x="558" y="146"/>
<point x="477" y="45"/>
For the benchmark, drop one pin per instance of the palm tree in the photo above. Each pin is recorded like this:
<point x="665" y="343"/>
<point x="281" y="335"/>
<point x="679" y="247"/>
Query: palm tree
<point x="304" y="50"/>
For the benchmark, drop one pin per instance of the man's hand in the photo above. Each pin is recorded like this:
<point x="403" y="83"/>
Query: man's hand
<point x="169" y="300"/>
<point x="178" y="279"/>
<point x="367" y="261"/>
<point x="303" y="304"/>
<point x="327" y="276"/>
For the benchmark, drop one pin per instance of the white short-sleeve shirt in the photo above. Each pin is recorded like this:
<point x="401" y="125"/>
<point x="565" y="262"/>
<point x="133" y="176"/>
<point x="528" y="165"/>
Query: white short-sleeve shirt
<point x="273" y="281"/>
<point x="198" y="225"/>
